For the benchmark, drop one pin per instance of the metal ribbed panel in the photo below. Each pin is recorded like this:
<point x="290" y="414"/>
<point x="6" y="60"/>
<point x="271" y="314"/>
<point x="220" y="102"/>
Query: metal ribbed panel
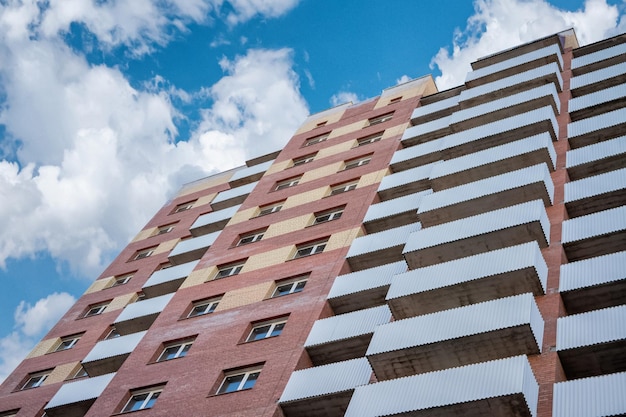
<point x="518" y="60"/>
<point x="395" y="206"/>
<point x="586" y="329"/>
<point x="597" y="76"/>
<point x="611" y="52"/>
<point x="480" y="224"/>
<point x="347" y="325"/>
<point x="603" y="96"/>
<point x="595" y="152"/>
<point x="497" y="153"/>
<point x="82" y="390"/>
<point x="595" y="224"/>
<point x="382" y="240"/>
<point x="451" y="386"/>
<point x="510" y="180"/>
<point x="144" y="307"/>
<point x="234" y="192"/>
<point x="416" y="151"/>
<point x="592" y="124"/>
<point x="435" y="107"/>
<point x="527" y="255"/>
<point x="170" y="274"/>
<point x="113" y="347"/>
<point x="502" y="126"/>
<point x="407" y="177"/>
<point x="590" y="397"/>
<point x="215" y="217"/>
<point x="327" y="379"/>
<point x="596" y="185"/>
<point x="248" y="171"/>
<point x="593" y="271"/>
<point x="533" y="74"/>
<point x="458" y="322"/>
<point x="366" y="279"/>
<point x="195" y="243"/>
<point x="428" y="127"/>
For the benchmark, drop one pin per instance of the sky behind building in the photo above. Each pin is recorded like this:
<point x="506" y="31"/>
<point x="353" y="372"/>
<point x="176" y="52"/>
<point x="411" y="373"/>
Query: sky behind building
<point x="106" y="108"/>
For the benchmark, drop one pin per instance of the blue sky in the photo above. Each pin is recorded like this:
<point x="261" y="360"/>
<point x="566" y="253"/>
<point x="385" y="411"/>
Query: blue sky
<point x="107" y="107"/>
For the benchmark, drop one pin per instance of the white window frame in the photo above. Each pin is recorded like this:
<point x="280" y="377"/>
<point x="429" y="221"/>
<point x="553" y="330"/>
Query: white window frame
<point x="343" y="188"/>
<point x="182" y="348"/>
<point x="229" y="270"/>
<point x="271" y="327"/>
<point x="380" y="119"/>
<point x="144" y="253"/>
<point x="369" y="139"/>
<point x="165" y="229"/>
<point x="288" y="183"/>
<point x="355" y="163"/>
<point x="315" y="248"/>
<point x="246" y="374"/>
<point x="80" y="373"/>
<point x="270" y="208"/>
<point x="210" y="304"/>
<point x="151" y="394"/>
<point x="184" y="206"/>
<point x="316" y="139"/>
<point x="113" y="333"/>
<point x="121" y="280"/>
<point x="303" y="160"/>
<point x="328" y="215"/>
<point x="251" y="237"/>
<point x="98" y="308"/>
<point x="294" y="287"/>
<point x="395" y="100"/>
<point x="67" y="342"/>
<point x="35" y="380"/>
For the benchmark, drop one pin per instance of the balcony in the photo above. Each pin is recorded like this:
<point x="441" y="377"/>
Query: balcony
<point x="595" y="234"/>
<point x="232" y="197"/>
<point x="596" y="159"/>
<point x="593" y="283"/>
<point x="596" y="396"/>
<point x="212" y="222"/>
<point x="596" y="129"/>
<point x="439" y="108"/>
<point x="166" y="281"/>
<point x="426" y="131"/>
<point x="593" y="194"/>
<point x="476" y="333"/>
<point x="494" y="161"/>
<point x="496" y="229"/>
<point x="393" y="213"/>
<point x="363" y="289"/>
<point x="505" y="387"/>
<point x="249" y="174"/>
<point x="474" y="279"/>
<point x="492" y="193"/>
<point x="192" y="249"/>
<point x="324" y="391"/>
<point x="598" y="102"/>
<point x="414" y="156"/>
<point x="593" y="343"/>
<point x="74" y="399"/>
<point x="379" y="248"/>
<point x="346" y="336"/>
<point x="139" y="316"/>
<point x="108" y="355"/>
<point x="406" y="182"/>
<point x="604" y="54"/>
<point x="598" y="80"/>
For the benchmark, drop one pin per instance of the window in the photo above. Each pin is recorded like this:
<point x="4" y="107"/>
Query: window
<point x="328" y="215"/>
<point x="203" y="307"/>
<point x="316" y="139"/>
<point x="113" y="333"/>
<point x="121" y="280"/>
<point x="183" y="207"/>
<point x="342" y="188"/>
<point x="395" y="100"/>
<point x="289" y="287"/>
<point x="270" y="208"/>
<point x="175" y="350"/>
<point x="379" y="119"/>
<point x="80" y="373"/>
<point x="165" y="229"/>
<point x="354" y="163"/>
<point x="310" y="249"/>
<point x="96" y="309"/>
<point x="369" y="139"/>
<point x="303" y="160"/>
<point x="239" y="380"/>
<point x="291" y="182"/>
<point x="36" y="379"/>
<point x="229" y="270"/>
<point x="68" y="342"/>
<point x="10" y="413"/>
<point x="142" y="400"/>
<point x="144" y="253"/>
<point x="267" y="329"/>
<point x="165" y="266"/>
<point x="251" y="237"/>
<point x="320" y="124"/>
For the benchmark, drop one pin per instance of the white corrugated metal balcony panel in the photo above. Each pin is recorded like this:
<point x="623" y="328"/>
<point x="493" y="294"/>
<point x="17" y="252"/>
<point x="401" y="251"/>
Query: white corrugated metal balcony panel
<point x="594" y="225"/>
<point x="113" y="347"/>
<point x="327" y="379"/>
<point x="143" y="308"/>
<point x="480" y="224"/>
<point x="234" y="192"/>
<point x="502" y="126"/>
<point x="425" y="128"/>
<point x="595" y="185"/>
<point x="595" y="152"/>
<point x="354" y="282"/>
<point x="551" y="69"/>
<point x="591" y="328"/>
<point x="215" y="216"/>
<point x="597" y="76"/>
<point x="593" y="271"/>
<point x="595" y="123"/>
<point x="598" y="97"/>
<point x="345" y="326"/>
<point x="478" y="384"/>
<point x="382" y="240"/>
<point x="397" y="205"/>
<point x="590" y="397"/>
<point x="171" y="274"/>
<point x="471" y="268"/>
<point x="518" y="60"/>
<point x="248" y="171"/>
<point x="195" y="243"/>
<point x="406" y="177"/>
<point x="597" y="56"/>
<point x="435" y="107"/>
<point x="81" y="390"/>
<point x="416" y="151"/>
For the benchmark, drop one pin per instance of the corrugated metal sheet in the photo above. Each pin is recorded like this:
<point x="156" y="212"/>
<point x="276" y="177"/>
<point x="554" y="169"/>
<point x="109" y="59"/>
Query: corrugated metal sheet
<point x="327" y="379"/>
<point x="597" y="76"/>
<point x="144" y="307"/>
<point x="595" y="185"/>
<point x="234" y="192"/>
<point x="428" y="127"/>
<point x="397" y="205"/>
<point x="458" y="322"/>
<point x="480" y="224"/>
<point x="518" y="60"/>
<point x="368" y="278"/>
<point x="254" y="169"/>
<point x="451" y="386"/>
<point x="533" y="74"/>
<point x="502" y="126"/>
<point x="593" y="271"/>
<point x="435" y="107"/>
<point x="382" y="240"/>
<point x="194" y="243"/>
<point x="595" y="224"/>
<point x="114" y="347"/>
<point x="82" y="390"/>
<point x="345" y="326"/>
<point x="416" y="151"/>
<point x="592" y="124"/>
<point x="598" y="97"/>
<point x="407" y="177"/>
<point x="593" y="327"/>
<point x="170" y="274"/>
<point x="590" y="397"/>
<point x="513" y="258"/>
<point x="492" y="185"/>
<point x="597" y="56"/>
<point x="596" y="152"/>
<point x="497" y="153"/>
<point x="215" y="216"/>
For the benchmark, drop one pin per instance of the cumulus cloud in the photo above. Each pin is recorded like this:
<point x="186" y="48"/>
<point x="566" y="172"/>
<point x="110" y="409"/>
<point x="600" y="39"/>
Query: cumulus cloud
<point x="343" y="97"/>
<point x="500" y="24"/>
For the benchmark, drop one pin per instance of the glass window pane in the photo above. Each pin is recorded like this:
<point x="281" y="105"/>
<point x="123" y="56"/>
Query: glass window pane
<point x="251" y="380"/>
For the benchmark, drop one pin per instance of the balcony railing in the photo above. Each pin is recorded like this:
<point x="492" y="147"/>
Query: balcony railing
<point x="598" y="80"/>
<point x="108" y="355"/>
<point x="414" y="156"/>
<point x="426" y="131"/>
<point x="598" y="56"/>
<point x="596" y="159"/>
<point x="140" y="315"/>
<point x="435" y="107"/>
<point x="212" y="222"/>
<point x="75" y="398"/>
<point x="249" y="174"/>
<point x="405" y="182"/>
<point x="595" y="234"/>
<point x="192" y="249"/>
<point x="597" y="128"/>
<point x="393" y="213"/>
<point x="597" y="193"/>
<point x="596" y="396"/>
<point x="600" y="101"/>
<point x="168" y="280"/>
<point x="232" y="197"/>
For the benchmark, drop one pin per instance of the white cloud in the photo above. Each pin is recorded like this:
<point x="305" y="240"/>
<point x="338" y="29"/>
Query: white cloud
<point x="247" y="9"/>
<point x="343" y="97"/>
<point x="404" y="79"/>
<point x="501" y="24"/>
